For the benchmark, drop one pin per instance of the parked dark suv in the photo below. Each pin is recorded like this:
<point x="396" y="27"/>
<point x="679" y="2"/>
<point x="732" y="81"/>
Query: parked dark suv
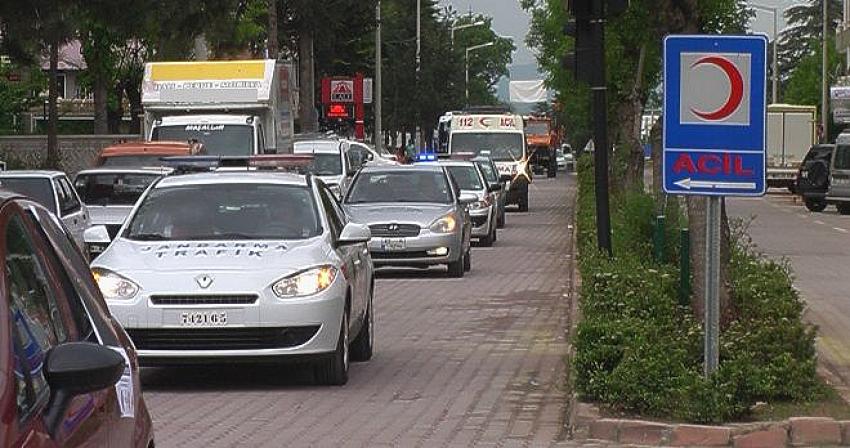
<point x="69" y="372"/>
<point x="813" y="177"/>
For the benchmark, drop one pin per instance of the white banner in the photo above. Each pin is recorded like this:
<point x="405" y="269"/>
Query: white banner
<point x="528" y="91"/>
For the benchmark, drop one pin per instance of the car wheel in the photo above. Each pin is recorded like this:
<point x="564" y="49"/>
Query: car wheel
<point x="486" y="241"/>
<point x="523" y="204"/>
<point x="500" y="221"/>
<point x="815" y="205"/>
<point x="363" y="345"/>
<point x="334" y="370"/>
<point x="844" y="209"/>
<point x="456" y="267"/>
<point x="467" y="261"/>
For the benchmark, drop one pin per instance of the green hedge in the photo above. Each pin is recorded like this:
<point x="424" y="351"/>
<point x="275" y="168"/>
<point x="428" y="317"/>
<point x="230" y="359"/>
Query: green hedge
<point x="639" y="351"/>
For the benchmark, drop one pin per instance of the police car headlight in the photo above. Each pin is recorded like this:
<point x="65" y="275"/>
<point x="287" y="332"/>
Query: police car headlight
<point x="445" y="224"/>
<point x="305" y="283"/>
<point x="114" y="286"/>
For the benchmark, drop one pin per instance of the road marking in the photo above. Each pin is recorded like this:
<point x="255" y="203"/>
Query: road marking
<point x="840" y="229"/>
<point x="818" y="221"/>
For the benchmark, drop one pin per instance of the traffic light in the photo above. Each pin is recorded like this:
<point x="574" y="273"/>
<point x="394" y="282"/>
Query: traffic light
<point x="579" y="60"/>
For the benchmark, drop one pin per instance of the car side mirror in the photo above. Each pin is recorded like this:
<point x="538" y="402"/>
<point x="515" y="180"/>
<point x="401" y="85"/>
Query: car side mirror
<point x="77" y="368"/>
<point x="467" y="198"/>
<point x="494" y="186"/>
<point x="354" y="233"/>
<point x="96" y="234"/>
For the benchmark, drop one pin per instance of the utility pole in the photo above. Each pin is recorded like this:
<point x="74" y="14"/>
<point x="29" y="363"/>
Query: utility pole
<point x="599" y="87"/>
<point x="417" y="137"/>
<point x="379" y="137"/>
<point x="824" y="96"/>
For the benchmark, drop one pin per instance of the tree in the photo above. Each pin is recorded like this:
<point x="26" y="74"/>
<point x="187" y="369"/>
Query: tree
<point x="38" y="27"/>
<point x="802" y="35"/>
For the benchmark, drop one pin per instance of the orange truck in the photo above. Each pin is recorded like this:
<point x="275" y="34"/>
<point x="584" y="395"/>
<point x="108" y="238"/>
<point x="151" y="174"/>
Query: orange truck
<point x="539" y="138"/>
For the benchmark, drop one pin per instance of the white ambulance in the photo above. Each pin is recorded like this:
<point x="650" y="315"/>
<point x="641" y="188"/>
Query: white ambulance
<point x="499" y="136"/>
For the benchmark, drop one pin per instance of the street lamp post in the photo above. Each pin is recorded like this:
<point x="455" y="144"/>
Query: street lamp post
<point x="379" y="139"/>
<point x="468" y="49"/>
<point x="775" y="65"/>
<point x="461" y="27"/>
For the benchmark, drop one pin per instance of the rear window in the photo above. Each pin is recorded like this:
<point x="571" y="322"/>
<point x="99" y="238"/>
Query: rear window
<point x="842" y="157"/>
<point x="36" y="188"/>
<point x="112" y="188"/>
<point x="400" y="186"/>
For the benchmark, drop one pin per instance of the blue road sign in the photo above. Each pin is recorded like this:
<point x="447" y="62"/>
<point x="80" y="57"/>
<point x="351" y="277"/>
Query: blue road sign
<point x="715" y="110"/>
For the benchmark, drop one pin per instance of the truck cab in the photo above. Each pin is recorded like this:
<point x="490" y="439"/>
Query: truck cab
<point x="221" y="135"/>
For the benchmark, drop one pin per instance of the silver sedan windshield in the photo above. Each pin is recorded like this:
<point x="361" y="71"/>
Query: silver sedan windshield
<point x="225" y="212"/>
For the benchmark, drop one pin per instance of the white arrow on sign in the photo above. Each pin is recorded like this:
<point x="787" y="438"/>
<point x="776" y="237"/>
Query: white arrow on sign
<point x="687" y="184"/>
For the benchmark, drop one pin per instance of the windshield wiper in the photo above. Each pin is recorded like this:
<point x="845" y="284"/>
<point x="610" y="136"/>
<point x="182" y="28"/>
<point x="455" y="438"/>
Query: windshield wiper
<point x="147" y="237"/>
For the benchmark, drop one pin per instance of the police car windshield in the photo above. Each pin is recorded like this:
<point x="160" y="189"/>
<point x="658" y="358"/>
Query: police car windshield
<point x="400" y="186"/>
<point x="225" y="212"/>
<point x="218" y="139"/>
<point x="36" y="188"/>
<point x="112" y="188"/>
<point x="466" y="177"/>
<point x="502" y="145"/>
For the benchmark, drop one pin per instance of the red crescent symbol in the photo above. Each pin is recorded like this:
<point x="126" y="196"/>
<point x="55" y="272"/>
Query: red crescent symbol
<point x="736" y="88"/>
<point x="483" y="121"/>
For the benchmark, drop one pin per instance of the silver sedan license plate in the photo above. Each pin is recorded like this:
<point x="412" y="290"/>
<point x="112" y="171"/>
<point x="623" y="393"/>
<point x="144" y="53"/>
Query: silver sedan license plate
<point x="393" y="244"/>
<point x="203" y="319"/>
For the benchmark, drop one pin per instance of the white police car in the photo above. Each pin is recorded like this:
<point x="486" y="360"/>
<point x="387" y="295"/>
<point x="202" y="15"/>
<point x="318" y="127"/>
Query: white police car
<point x="242" y="265"/>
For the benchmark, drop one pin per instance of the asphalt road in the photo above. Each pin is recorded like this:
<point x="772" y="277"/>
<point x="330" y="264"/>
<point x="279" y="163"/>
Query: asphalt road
<point x="459" y="362"/>
<point x="818" y="248"/>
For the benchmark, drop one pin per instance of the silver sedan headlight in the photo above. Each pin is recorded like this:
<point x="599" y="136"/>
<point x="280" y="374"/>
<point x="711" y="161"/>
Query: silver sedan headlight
<point x="305" y="283"/>
<point x="114" y="286"/>
<point x="445" y="224"/>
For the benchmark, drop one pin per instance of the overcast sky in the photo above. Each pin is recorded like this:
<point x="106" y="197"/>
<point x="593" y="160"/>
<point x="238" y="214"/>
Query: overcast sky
<point x="509" y="19"/>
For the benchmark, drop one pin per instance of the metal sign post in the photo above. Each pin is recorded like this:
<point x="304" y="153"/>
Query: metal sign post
<point x="715" y="109"/>
<point x="712" y="286"/>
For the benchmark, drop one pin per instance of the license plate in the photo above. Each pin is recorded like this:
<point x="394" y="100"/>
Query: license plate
<point x="203" y="319"/>
<point x="390" y="244"/>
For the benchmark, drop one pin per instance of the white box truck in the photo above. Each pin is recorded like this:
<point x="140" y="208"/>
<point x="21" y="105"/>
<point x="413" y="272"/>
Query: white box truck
<point x="232" y="107"/>
<point x="790" y="134"/>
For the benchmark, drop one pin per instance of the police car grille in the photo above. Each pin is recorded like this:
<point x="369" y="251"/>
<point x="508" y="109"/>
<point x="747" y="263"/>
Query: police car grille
<point x="221" y="338"/>
<point x="205" y="299"/>
<point x="394" y="230"/>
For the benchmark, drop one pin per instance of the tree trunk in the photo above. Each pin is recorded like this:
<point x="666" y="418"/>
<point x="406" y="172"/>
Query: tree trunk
<point x="272" y="31"/>
<point x="101" y="121"/>
<point x="52" y="161"/>
<point x="134" y="98"/>
<point x="200" y="48"/>
<point x="307" y="91"/>
<point x="632" y="124"/>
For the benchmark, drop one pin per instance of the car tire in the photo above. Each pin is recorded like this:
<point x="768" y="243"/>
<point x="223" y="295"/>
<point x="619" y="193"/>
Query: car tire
<point x="523" y="203"/>
<point x="844" y="209"/>
<point x="500" y="220"/>
<point x="467" y="261"/>
<point x="486" y="241"/>
<point x="815" y="205"/>
<point x="334" y="370"/>
<point x="363" y="345"/>
<point x="456" y="267"/>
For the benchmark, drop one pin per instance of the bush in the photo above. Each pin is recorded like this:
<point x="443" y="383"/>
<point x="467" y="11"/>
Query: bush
<point x="638" y="351"/>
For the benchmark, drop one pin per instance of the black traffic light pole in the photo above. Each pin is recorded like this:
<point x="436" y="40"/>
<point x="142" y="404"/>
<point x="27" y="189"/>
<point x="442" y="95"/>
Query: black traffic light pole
<point x="599" y="87"/>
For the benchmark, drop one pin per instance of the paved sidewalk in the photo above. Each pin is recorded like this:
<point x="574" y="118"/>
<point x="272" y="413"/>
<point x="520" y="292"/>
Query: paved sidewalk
<point x="477" y="361"/>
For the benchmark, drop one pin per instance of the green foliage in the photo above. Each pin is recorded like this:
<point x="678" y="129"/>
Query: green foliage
<point x="638" y="351"/>
<point x="19" y="95"/>
<point x="804" y="83"/>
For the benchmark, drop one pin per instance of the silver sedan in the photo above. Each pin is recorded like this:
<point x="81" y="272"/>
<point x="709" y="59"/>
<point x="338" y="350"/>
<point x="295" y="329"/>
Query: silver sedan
<point x="416" y="216"/>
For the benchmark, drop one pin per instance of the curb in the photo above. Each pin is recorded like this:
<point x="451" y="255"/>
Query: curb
<point x="586" y="425"/>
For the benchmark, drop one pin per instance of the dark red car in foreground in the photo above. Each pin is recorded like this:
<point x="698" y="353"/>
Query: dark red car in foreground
<point x="68" y="372"/>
